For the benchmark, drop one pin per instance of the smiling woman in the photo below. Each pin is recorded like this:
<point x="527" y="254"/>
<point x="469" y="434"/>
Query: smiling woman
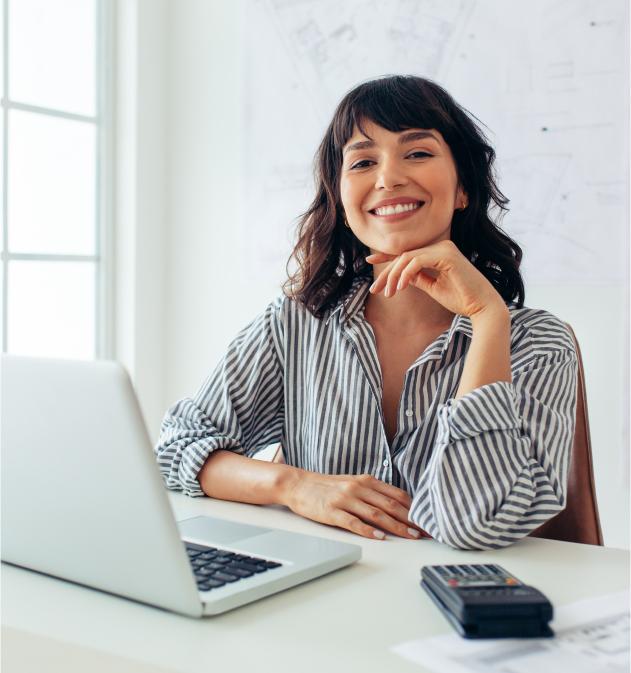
<point x="430" y="402"/>
<point x="400" y="138"/>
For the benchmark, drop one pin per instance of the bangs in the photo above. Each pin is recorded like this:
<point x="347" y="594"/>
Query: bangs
<point x="394" y="103"/>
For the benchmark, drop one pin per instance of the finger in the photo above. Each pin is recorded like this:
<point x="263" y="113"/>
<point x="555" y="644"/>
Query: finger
<point x="424" y="533"/>
<point x="412" y="273"/>
<point x="393" y="508"/>
<point x="391" y="491"/>
<point x="381" y="279"/>
<point x="375" y="516"/>
<point x="379" y="257"/>
<point x="409" y="273"/>
<point x="394" y="274"/>
<point x="346" y="520"/>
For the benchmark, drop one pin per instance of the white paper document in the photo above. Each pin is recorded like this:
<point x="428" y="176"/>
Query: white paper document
<point x="591" y="636"/>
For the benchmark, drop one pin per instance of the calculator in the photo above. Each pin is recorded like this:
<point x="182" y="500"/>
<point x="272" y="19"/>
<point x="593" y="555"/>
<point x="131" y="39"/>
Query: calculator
<point x="486" y="601"/>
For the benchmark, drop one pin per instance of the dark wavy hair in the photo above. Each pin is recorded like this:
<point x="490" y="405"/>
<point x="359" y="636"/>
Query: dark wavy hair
<point x="329" y="255"/>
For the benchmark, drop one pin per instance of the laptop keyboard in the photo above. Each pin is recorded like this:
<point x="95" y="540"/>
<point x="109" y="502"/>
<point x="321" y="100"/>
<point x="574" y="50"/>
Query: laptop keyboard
<point x="214" y="568"/>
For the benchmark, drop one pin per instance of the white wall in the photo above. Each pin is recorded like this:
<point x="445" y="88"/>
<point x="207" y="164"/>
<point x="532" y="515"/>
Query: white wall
<point x="207" y="297"/>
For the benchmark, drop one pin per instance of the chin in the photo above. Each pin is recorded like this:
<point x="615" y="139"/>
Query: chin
<point x="400" y="243"/>
<point x="401" y="246"/>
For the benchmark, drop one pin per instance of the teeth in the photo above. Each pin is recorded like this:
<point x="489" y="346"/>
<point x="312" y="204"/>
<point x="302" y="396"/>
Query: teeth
<point x="399" y="208"/>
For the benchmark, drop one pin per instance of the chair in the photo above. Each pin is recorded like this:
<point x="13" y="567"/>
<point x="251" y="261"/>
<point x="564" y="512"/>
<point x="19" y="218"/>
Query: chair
<point x="579" y="521"/>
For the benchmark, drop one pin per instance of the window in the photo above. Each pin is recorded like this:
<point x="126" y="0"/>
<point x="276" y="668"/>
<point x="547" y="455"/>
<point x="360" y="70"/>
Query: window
<point x="54" y="178"/>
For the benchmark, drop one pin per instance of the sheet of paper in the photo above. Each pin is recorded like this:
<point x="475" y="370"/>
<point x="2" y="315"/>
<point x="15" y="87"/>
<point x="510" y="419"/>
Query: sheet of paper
<point x="592" y="636"/>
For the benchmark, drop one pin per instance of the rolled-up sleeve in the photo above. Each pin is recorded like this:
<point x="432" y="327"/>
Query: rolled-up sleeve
<point x="239" y="407"/>
<point x="499" y="465"/>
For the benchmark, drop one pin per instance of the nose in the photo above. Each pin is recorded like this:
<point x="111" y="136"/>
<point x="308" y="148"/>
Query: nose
<point x="391" y="174"/>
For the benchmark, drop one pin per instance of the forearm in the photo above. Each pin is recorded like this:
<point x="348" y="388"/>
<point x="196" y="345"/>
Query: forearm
<point x="229" y="476"/>
<point x="488" y="358"/>
<point x="498" y="468"/>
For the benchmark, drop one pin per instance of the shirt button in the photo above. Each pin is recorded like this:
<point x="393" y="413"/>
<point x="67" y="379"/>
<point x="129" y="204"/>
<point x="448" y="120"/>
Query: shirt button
<point x="409" y="413"/>
<point x="386" y="463"/>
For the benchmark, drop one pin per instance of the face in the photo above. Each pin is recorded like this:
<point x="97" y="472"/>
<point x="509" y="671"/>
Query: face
<point x="399" y="190"/>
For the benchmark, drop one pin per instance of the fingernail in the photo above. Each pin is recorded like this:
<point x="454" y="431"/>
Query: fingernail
<point x="414" y="532"/>
<point x="387" y="292"/>
<point x="379" y="534"/>
<point x="399" y="285"/>
<point x="372" y="287"/>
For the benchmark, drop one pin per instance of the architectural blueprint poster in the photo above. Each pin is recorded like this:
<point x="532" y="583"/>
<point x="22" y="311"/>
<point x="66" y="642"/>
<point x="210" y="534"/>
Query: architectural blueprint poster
<point x="548" y="79"/>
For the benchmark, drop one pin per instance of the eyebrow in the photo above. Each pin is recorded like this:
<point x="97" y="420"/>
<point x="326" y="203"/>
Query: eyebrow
<point x="405" y="138"/>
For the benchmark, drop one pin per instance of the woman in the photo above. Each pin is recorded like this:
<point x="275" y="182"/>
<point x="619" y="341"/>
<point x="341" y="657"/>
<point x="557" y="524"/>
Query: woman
<point x="409" y="388"/>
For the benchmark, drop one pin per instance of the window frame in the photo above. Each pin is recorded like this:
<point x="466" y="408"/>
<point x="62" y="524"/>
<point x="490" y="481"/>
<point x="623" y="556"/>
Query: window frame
<point x="104" y="174"/>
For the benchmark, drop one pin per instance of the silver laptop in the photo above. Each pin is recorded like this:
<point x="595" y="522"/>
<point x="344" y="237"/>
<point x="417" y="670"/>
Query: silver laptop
<point x="83" y="500"/>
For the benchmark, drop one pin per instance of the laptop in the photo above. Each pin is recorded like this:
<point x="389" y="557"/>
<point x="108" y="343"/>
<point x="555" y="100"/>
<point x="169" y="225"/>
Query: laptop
<point x="83" y="500"/>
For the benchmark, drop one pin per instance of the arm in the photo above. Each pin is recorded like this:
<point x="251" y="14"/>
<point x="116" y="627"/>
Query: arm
<point x="499" y="464"/>
<point x="359" y="503"/>
<point x="239" y="408"/>
<point x="229" y="476"/>
<point x="488" y="357"/>
<point x="498" y="467"/>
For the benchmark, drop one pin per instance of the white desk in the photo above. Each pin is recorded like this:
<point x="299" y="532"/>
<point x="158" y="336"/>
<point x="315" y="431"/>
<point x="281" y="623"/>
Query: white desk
<point x="344" y="621"/>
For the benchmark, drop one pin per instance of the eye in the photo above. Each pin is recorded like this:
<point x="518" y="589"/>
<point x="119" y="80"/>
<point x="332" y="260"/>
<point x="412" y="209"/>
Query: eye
<point x="425" y="154"/>
<point x="359" y="164"/>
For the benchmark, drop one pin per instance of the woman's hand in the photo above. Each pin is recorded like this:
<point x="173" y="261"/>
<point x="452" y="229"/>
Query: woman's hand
<point x="443" y="272"/>
<point x="360" y="503"/>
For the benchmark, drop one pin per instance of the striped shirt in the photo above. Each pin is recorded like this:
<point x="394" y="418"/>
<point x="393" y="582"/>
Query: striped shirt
<point x="483" y="470"/>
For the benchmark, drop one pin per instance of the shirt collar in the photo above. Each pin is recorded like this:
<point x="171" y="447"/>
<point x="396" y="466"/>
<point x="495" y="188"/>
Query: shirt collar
<point x="460" y="323"/>
<point x="350" y="304"/>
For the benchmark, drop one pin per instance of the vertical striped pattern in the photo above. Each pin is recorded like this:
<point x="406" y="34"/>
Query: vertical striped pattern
<point x="483" y="470"/>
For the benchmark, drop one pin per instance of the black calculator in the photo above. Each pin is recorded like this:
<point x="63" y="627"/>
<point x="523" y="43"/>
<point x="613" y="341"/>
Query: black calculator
<point x="485" y="601"/>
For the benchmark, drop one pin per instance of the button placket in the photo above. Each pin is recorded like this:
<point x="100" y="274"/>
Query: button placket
<point x="369" y="361"/>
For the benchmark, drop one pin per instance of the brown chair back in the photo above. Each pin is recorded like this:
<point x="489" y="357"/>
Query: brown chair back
<point x="579" y="521"/>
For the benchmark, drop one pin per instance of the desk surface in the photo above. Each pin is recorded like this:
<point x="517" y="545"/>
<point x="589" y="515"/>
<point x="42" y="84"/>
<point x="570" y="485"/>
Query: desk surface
<point x="342" y="621"/>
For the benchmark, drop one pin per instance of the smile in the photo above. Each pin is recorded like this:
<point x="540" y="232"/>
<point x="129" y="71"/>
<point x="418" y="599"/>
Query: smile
<point x="398" y="209"/>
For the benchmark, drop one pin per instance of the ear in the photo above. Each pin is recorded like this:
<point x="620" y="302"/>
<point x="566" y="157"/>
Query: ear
<point x="462" y="199"/>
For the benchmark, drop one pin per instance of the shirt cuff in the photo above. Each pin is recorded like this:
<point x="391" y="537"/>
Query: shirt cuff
<point x="490" y="407"/>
